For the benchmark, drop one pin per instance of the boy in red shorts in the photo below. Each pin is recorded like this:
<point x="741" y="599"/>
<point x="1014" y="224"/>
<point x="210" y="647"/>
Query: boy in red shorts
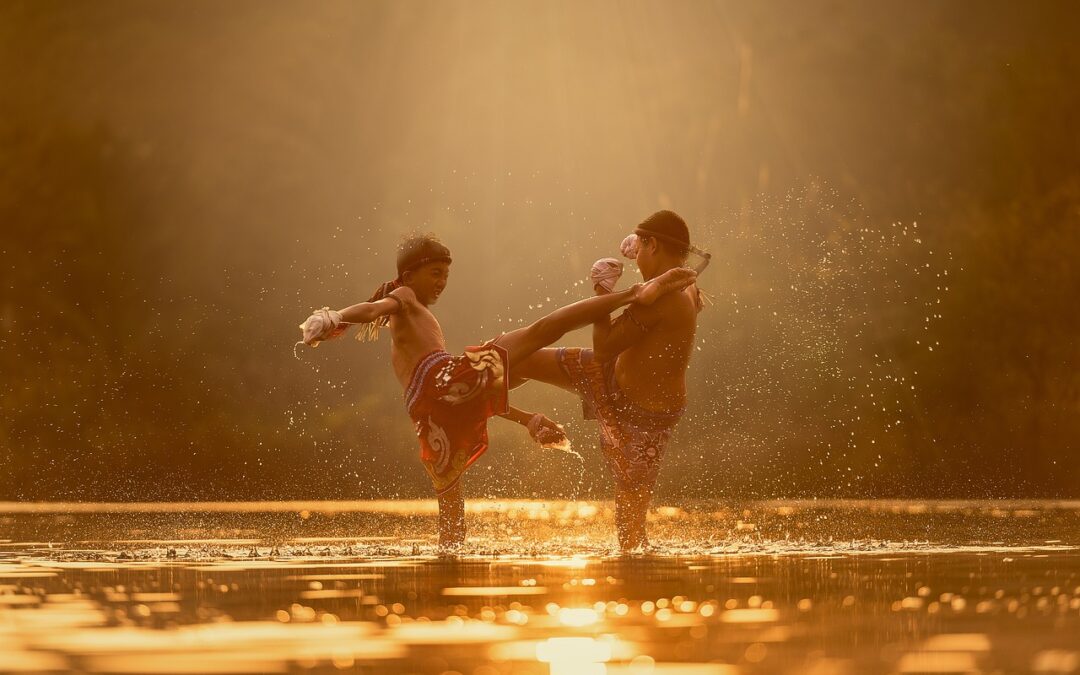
<point x="450" y="398"/>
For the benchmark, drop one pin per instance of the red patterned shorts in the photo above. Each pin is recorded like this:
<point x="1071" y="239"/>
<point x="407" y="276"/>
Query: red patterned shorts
<point x="450" y="399"/>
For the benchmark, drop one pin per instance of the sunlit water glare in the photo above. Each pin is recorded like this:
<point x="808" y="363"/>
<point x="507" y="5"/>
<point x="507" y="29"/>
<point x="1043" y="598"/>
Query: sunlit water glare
<point x="763" y="587"/>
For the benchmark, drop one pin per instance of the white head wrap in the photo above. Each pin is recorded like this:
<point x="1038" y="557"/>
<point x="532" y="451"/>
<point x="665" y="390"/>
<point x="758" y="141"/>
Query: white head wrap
<point x="606" y="272"/>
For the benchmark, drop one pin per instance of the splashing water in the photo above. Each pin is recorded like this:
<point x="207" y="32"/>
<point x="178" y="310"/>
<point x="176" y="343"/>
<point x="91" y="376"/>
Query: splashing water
<point x="564" y="445"/>
<point x="811" y="358"/>
<point x="806" y="370"/>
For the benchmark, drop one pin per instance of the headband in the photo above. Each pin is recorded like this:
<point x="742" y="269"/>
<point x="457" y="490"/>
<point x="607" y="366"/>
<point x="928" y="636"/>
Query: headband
<point x="705" y="255"/>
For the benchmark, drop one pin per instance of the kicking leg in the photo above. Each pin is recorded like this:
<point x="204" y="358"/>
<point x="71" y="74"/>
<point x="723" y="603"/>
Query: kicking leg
<point x="451" y="519"/>
<point x="542" y="366"/>
<point x="524" y="342"/>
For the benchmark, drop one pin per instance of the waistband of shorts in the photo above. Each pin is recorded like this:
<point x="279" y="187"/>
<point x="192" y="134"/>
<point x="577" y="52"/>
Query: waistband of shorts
<point x="419" y="374"/>
<point x="618" y="397"/>
<point x="624" y="405"/>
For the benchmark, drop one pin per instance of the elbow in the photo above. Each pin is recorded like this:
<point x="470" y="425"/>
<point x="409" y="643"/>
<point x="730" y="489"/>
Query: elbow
<point x="362" y="314"/>
<point x="603" y="355"/>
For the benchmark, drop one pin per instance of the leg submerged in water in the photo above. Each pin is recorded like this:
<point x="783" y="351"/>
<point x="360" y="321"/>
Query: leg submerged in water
<point x="631" y="507"/>
<point x="451" y="519"/>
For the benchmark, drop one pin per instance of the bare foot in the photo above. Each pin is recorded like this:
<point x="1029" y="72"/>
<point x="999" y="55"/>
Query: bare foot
<point x="674" y="279"/>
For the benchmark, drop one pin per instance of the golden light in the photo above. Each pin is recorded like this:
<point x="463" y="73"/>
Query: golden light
<point x="574" y="655"/>
<point x="577" y="617"/>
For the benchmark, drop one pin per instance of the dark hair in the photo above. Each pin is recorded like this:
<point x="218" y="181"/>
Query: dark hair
<point x="418" y="250"/>
<point x="669" y="230"/>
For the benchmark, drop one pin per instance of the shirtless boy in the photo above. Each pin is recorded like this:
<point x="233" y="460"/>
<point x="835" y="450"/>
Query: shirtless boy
<point x="633" y="380"/>
<point x="450" y="398"/>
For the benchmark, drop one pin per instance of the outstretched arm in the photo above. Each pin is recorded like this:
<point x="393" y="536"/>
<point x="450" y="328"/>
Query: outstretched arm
<point x="366" y="312"/>
<point x="326" y="324"/>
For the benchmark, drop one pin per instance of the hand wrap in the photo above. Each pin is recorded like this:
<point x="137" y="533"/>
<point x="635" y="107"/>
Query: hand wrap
<point x="605" y="273"/>
<point x="323" y="324"/>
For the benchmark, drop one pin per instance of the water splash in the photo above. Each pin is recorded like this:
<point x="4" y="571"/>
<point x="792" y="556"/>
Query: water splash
<point x="565" y="446"/>
<point x="811" y="357"/>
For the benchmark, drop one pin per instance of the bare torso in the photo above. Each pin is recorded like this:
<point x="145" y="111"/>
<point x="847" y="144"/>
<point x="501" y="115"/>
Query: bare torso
<point x="415" y="333"/>
<point x="652" y="372"/>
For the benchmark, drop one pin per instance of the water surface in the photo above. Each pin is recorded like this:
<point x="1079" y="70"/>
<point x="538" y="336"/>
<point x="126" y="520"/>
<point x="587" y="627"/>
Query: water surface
<point x="763" y="587"/>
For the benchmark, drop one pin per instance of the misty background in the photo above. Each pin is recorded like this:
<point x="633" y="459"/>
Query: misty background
<point x="890" y="190"/>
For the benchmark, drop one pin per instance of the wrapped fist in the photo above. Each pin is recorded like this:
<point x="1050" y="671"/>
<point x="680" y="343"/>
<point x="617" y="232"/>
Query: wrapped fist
<point x="630" y="246"/>
<point x="547" y="433"/>
<point x="323" y="324"/>
<point x="605" y="273"/>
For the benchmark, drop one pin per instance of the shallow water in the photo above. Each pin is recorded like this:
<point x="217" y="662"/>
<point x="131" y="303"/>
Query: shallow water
<point x="764" y="587"/>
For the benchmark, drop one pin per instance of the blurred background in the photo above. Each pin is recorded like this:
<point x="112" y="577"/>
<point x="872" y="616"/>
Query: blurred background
<point x="891" y="192"/>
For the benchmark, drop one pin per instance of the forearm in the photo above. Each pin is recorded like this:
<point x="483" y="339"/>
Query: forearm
<point x="602" y="326"/>
<point x="518" y="415"/>
<point x="361" y="312"/>
<point x="619" y="334"/>
<point x="601" y="333"/>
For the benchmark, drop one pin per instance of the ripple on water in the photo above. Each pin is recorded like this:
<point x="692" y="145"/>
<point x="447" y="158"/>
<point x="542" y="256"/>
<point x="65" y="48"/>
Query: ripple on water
<point x="819" y="588"/>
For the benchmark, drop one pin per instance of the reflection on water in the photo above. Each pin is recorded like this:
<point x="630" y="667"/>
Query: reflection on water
<point x="775" y="587"/>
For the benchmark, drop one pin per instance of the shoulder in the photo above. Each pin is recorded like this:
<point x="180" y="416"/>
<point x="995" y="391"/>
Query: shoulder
<point x="673" y="312"/>
<point x="673" y="305"/>
<point x="404" y="294"/>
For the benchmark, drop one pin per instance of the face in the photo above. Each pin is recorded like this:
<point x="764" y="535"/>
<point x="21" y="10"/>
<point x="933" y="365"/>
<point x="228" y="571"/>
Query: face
<point x="646" y="258"/>
<point x="429" y="281"/>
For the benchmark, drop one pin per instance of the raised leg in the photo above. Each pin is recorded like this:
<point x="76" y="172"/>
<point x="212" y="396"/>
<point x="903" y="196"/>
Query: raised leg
<point x="524" y="342"/>
<point x="451" y="519"/>
<point x="542" y="366"/>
